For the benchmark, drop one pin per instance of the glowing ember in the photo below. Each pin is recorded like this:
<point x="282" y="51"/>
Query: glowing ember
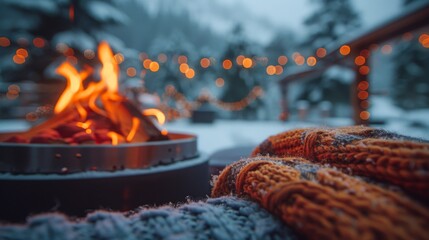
<point x="95" y="112"/>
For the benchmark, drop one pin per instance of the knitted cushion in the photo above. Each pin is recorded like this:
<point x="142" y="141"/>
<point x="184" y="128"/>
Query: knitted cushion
<point x="322" y="203"/>
<point x="218" y="218"/>
<point x="375" y="153"/>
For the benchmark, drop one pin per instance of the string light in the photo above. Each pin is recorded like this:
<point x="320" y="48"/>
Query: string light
<point x="227" y="64"/>
<point x="345" y="50"/>
<point x="311" y="61"/>
<point x="321" y="52"/>
<point x="282" y="60"/>
<point x="247" y="63"/>
<point x="205" y="62"/>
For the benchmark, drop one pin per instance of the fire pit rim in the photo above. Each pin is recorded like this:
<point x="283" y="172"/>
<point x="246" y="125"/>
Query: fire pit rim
<point x="199" y="159"/>
<point x="21" y="158"/>
<point x="183" y="137"/>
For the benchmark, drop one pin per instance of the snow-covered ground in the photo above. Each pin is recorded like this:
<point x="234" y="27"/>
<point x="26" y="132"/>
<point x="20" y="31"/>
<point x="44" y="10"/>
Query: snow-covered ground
<point x="228" y="133"/>
<point x="224" y="134"/>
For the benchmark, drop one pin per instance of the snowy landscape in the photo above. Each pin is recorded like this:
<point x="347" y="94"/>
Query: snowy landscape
<point x="273" y="36"/>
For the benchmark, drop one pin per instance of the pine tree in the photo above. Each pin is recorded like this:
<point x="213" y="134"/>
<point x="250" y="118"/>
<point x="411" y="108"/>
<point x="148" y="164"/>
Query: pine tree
<point x="411" y="83"/>
<point x="79" y="24"/>
<point x="236" y="86"/>
<point x="330" y="21"/>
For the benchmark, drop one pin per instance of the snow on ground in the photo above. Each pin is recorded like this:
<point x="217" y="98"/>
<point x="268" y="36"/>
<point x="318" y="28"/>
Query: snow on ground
<point x="228" y="133"/>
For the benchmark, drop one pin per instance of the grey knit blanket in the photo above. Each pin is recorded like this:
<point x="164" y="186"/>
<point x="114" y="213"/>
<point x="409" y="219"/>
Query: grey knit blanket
<point x="215" y="218"/>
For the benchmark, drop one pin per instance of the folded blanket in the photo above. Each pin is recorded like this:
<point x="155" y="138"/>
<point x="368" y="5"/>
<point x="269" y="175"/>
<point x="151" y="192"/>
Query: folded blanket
<point x="322" y="203"/>
<point x="217" y="218"/>
<point x="364" y="151"/>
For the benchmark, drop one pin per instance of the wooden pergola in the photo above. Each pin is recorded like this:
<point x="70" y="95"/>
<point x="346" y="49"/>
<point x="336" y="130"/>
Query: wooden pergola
<point x="413" y="18"/>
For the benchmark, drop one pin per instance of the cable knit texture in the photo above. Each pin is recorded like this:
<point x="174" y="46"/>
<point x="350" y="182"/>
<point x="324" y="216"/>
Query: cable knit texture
<point x="217" y="218"/>
<point x="322" y="203"/>
<point x="375" y="153"/>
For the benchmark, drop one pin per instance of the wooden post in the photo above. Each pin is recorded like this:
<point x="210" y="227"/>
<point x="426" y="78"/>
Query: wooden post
<point x="360" y="89"/>
<point x="284" y="114"/>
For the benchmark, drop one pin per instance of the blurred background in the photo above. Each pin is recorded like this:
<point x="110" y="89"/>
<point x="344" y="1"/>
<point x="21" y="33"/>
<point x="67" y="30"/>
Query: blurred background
<point x="241" y="69"/>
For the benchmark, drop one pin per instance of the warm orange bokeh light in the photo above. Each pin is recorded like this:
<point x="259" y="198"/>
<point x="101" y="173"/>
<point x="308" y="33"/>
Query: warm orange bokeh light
<point x="279" y="69"/>
<point x="362" y="95"/>
<point x="407" y="36"/>
<point x="424" y="40"/>
<point x="295" y="54"/>
<point x="271" y="70"/>
<point x="182" y="59"/>
<point x="31" y="117"/>
<point x="345" y="50"/>
<point x="240" y="59"/>
<point x="184" y="67"/>
<point x="162" y="58"/>
<point x="119" y="58"/>
<point x="146" y="63"/>
<point x="386" y="49"/>
<point x="282" y="60"/>
<point x="299" y="60"/>
<point x="321" y="52"/>
<point x="131" y="72"/>
<point x="190" y="73"/>
<point x="227" y="64"/>
<point x="360" y="60"/>
<point x="71" y="13"/>
<point x="311" y="61"/>
<point x="143" y="56"/>
<point x="364" y="115"/>
<point x="38" y="42"/>
<point x="247" y="62"/>
<point x="363" y="85"/>
<point x="154" y="66"/>
<point x="22" y="52"/>
<point x="18" y="59"/>
<point x="89" y="54"/>
<point x="220" y="82"/>
<point x="364" y="70"/>
<point x="365" y="53"/>
<point x="364" y="104"/>
<point x="205" y="62"/>
<point x="4" y="42"/>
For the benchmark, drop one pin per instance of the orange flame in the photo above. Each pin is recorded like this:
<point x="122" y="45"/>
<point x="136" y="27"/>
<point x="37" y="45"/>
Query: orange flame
<point x="160" y="117"/>
<point x="114" y="136"/>
<point x="100" y="97"/>
<point x="74" y="83"/>
<point x="110" y="70"/>
<point x="134" y="128"/>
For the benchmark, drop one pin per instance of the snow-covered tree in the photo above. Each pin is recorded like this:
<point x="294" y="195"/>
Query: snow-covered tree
<point x="411" y="83"/>
<point x="239" y="81"/>
<point x="331" y="20"/>
<point x="77" y="24"/>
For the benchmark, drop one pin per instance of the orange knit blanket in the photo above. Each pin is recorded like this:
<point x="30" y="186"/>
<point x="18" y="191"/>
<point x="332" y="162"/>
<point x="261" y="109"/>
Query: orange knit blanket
<point x="320" y="202"/>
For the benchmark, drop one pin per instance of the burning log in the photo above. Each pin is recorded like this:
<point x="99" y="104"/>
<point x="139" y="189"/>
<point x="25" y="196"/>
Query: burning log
<point x="96" y="113"/>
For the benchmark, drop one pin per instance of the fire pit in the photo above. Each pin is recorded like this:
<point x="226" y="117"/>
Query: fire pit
<point x="97" y="151"/>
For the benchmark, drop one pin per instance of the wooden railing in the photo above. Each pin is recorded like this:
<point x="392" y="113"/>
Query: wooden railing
<point x="413" y="18"/>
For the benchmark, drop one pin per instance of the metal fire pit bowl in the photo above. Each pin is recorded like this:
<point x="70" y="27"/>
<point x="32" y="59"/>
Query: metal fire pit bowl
<point x="124" y="177"/>
<point x="58" y="158"/>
